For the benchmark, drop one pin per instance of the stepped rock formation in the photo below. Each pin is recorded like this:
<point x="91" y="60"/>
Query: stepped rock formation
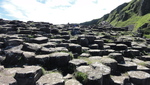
<point x="40" y="53"/>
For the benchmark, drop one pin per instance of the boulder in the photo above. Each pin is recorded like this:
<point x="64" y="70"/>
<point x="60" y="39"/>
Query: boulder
<point x="120" y="80"/>
<point x="139" y="77"/>
<point x="1" y="68"/>
<point x="117" y="56"/>
<point x="14" y="42"/>
<point x="121" y="47"/>
<point x="59" y="49"/>
<point x="25" y="31"/>
<point x="66" y="45"/>
<point x="42" y="60"/>
<point x="128" y="66"/>
<point x="45" y="50"/>
<point x="84" y="42"/>
<point x="28" y="75"/>
<point x="131" y="53"/>
<point x="112" y="63"/>
<point x="105" y="70"/>
<point x="94" y="59"/>
<point x="13" y="56"/>
<point x="7" y="80"/>
<point x="94" y="46"/>
<point x="75" y="48"/>
<point x="95" y="78"/>
<point x="67" y="37"/>
<point x="56" y="40"/>
<point x="77" y="62"/>
<point x="85" y="55"/>
<point x="84" y="69"/>
<point x="100" y="43"/>
<point x="29" y="57"/>
<point x="145" y="58"/>
<point x="72" y="82"/>
<point x="112" y="45"/>
<point x="51" y="79"/>
<point x="2" y="58"/>
<point x="33" y="47"/>
<point x="40" y="40"/>
<point x="59" y="58"/>
<point x="143" y="68"/>
<point x="54" y="31"/>
<point x="94" y="52"/>
<point x="90" y="38"/>
<point x="49" y="44"/>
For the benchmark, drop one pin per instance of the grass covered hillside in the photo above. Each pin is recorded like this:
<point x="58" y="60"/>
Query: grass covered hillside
<point x="136" y="12"/>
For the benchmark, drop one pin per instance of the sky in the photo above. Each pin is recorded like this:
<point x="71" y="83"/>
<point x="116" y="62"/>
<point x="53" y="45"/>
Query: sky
<point x="56" y="11"/>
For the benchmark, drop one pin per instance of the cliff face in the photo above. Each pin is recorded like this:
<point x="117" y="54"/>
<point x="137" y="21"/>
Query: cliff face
<point x="136" y="13"/>
<point x="145" y="7"/>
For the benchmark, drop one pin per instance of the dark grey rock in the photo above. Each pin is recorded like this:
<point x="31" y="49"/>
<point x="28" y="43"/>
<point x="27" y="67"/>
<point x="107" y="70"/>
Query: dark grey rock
<point x="77" y="62"/>
<point x="2" y="58"/>
<point x="59" y="49"/>
<point x="95" y="78"/>
<point x="40" y="40"/>
<point x="128" y="66"/>
<point x="121" y="47"/>
<point x="72" y="82"/>
<point x="45" y="50"/>
<point x="143" y="68"/>
<point x="59" y="58"/>
<point x="29" y="57"/>
<point x="94" y="46"/>
<point x="139" y="77"/>
<point x="117" y="56"/>
<point x="84" y="42"/>
<point x="75" y="48"/>
<point x="100" y="43"/>
<point x="112" y="45"/>
<point x="13" y="56"/>
<point x="49" y="44"/>
<point x="56" y="40"/>
<point x="105" y="70"/>
<point x="51" y="79"/>
<point x="145" y="58"/>
<point x="28" y="75"/>
<point x="112" y="63"/>
<point x="131" y="53"/>
<point x="84" y="69"/>
<point x="94" y="52"/>
<point x="42" y="60"/>
<point x="120" y="80"/>
<point x="14" y="42"/>
<point x="31" y="47"/>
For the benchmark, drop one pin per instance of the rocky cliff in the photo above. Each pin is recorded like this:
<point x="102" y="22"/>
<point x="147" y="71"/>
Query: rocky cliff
<point x="134" y="13"/>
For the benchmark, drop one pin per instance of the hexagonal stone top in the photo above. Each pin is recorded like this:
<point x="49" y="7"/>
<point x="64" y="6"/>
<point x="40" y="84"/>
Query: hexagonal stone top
<point x="51" y="79"/>
<point x="105" y="70"/>
<point x="59" y="54"/>
<point x="139" y="74"/>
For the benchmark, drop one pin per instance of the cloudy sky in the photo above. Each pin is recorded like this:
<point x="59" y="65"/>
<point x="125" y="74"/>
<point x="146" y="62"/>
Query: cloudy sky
<point x="56" y="11"/>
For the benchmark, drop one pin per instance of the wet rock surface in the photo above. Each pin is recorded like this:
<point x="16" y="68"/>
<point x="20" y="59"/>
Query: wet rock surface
<point x="40" y="53"/>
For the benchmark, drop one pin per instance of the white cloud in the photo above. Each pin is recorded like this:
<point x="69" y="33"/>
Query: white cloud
<point x="59" y="11"/>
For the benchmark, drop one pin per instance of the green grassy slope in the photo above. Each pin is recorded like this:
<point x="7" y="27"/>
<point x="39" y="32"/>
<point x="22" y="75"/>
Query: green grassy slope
<point x="128" y="14"/>
<point x="136" y="12"/>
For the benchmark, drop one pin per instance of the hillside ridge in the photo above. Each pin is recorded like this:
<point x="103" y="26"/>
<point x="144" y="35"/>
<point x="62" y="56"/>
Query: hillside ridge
<point x="135" y="13"/>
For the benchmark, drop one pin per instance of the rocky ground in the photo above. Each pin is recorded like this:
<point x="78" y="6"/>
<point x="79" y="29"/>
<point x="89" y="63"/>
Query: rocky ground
<point x="40" y="53"/>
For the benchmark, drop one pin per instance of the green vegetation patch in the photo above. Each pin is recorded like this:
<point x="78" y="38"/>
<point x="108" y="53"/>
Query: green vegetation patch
<point x="81" y="77"/>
